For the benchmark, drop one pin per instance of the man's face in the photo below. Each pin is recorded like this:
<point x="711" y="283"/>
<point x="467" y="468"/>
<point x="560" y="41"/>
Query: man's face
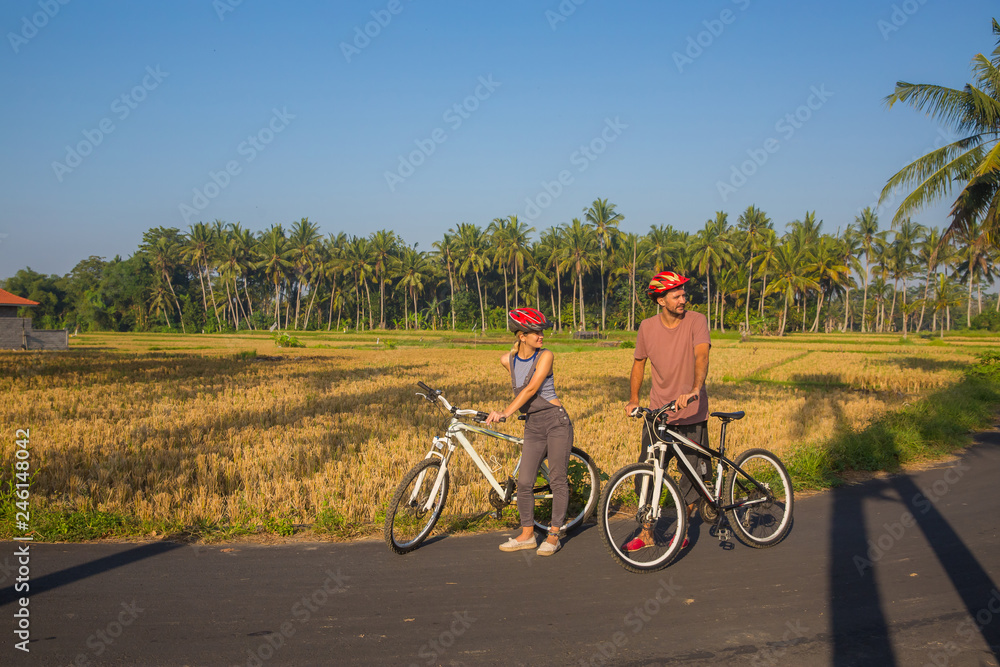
<point x="674" y="301"/>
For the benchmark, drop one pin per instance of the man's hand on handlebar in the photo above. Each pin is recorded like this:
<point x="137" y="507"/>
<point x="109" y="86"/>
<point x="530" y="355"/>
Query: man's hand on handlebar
<point x="684" y="400"/>
<point x="631" y="407"/>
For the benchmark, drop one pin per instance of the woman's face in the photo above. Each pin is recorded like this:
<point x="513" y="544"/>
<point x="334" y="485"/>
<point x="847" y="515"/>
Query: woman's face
<point x="532" y="340"/>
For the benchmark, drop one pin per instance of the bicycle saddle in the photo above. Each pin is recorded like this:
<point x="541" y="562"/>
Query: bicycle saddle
<point x="728" y="416"/>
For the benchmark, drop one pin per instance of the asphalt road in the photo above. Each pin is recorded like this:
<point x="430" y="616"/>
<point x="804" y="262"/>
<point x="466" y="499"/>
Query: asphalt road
<point x="897" y="571"/>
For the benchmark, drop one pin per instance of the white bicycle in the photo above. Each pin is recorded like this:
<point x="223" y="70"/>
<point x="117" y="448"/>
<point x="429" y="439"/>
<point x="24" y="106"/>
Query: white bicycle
<point x="421" y="495"/>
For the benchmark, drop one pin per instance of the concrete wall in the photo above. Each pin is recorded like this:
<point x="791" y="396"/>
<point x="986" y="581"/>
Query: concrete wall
<point x="16" y="332"/>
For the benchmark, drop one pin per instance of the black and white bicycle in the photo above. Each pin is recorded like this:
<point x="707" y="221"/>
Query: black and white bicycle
<point x="643" y="518"/>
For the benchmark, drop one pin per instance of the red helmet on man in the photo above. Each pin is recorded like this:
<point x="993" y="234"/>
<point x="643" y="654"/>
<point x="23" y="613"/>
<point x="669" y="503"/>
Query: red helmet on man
<point x="663" y="282"/>
<point x="527" y="320"/>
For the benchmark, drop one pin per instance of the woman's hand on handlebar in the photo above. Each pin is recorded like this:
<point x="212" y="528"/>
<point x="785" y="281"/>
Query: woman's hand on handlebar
<point x="495" y="417"/>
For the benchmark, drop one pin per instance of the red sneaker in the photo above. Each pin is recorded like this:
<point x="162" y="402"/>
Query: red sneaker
<point x="684" y="544"/>
<point x="636" y="544"/>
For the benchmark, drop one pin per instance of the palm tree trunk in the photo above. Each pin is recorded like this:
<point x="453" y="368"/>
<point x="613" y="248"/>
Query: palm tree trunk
<point x="451" y="285"/>
<point x="371" y="311"/>
<point x="482" y="307"/>
<point x="583" y="312"/>
<point x="212" y="291"/>
<point x="506" y="301"/>
<point x="604" y="296"/>
<point x="246" y="291"/>
<point x="847" y="305"/>
<point x="329" y="319"/>
<point x="631" y="273"/>
<point x="864" y="303"/>
<point x="819" y="307"/>
<point x="923" y="306"/>
<point x="746" y="314"/>
<point x="559" y="289"/>
<point x="708" y="297"/>
<point x="968" y="312"/>
<point x="277" y="304"/>
<point x="180" y="315"/>
<point x="312" y="300"/>
<point x="416" y="323"/>
<point x="784" y="316"/>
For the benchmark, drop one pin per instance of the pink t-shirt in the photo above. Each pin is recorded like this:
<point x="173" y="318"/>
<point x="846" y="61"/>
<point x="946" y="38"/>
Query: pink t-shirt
<point x="671" y="354"/>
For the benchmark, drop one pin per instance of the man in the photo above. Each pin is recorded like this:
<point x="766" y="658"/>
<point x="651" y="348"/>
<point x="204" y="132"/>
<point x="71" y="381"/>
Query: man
<point x="677" y="344"/>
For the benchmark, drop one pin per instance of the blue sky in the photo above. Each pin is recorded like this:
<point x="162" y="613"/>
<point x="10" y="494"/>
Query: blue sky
<point x="122" y="116"/>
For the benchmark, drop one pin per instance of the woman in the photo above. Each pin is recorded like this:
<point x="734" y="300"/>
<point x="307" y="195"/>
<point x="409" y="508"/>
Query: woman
<point x="548" y="431"/>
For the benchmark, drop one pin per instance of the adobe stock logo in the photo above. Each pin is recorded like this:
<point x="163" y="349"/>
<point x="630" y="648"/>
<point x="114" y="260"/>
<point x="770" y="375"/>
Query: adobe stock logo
<point x="122" y="107"/>
<point x="38" y="20"/>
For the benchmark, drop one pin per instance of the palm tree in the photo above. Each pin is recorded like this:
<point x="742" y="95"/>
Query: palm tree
<point x="499" y="236"/>
<point x="445" y="253"/>
<point x="245" y="245"/>
<point x="973" y="160"/>
<point x="790" y="278"/>
<point x="635" y="253"/>
<point x="519" y="250"/>
<point x="162" y="246"/>
<point x="768" y="250"/>
<point x="974" y="259"/>
<point x="866" y="225"/>
<point x="664" y="245"/>
<point x="827" y="270"/>
<point x="302" y="240"/>
<point x="848" y="247"/>
<point x="605" y="220"/>
<point x="412" y="269"/>
<point x="579" y="243"/>
<point x="358" y="260"/>
<point x="473" y="247"/>
<point x="275" y="258"/>
<point x="711" y="249"/>
<point x="383" y="246"/>
<point x="752" y="222"/>
<point x="196" y="251"/>
<point x="928" y="251"/>
<point x="334" y="263"/>
<point x="549" y="255"/>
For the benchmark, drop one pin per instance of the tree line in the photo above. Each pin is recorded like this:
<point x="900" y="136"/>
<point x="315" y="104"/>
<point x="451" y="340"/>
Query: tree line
<point x="587" y="274"/>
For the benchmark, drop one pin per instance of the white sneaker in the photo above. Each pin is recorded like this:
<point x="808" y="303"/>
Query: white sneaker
<point x="513" y="544"/>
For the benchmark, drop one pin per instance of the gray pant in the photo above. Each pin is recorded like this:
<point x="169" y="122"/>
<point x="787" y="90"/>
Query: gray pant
<point x="546" y="433"/>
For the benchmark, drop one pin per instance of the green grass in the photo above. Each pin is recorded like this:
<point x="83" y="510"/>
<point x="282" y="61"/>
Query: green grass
<point x="936" y="425"/>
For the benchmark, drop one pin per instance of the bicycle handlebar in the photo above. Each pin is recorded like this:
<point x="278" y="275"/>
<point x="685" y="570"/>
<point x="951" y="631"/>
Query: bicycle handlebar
<point x="434" y="395"/>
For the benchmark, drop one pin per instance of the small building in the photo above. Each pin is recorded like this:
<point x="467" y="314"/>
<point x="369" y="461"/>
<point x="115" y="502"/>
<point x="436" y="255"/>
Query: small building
<point x="17" y="333"/>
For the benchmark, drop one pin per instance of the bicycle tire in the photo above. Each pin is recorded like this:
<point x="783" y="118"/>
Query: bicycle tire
<point x="406" y="525"/>
<point x="621" y="520"/>
<point x="584" y="492"/>
<point x="765" y="524"/>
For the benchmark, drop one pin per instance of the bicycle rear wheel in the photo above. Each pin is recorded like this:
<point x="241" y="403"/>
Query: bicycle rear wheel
<point x="765" y="512"/>
<point x="623" y="520"/>
<point x="584" y="492"/>
<point x="408" y="522"/>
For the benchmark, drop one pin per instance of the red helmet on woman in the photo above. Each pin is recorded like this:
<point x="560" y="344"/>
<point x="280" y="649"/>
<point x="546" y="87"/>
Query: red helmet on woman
<point x="663" y="282"/>
<point x="527" y="319"/>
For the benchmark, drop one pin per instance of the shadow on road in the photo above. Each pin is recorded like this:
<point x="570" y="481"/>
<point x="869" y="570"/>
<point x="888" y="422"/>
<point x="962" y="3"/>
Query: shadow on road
<point x="859" y="626"/>
<point x="73" y="574"/>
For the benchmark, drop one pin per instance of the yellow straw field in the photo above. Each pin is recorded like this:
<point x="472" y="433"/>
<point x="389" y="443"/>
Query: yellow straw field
<point x="234" y="431"/>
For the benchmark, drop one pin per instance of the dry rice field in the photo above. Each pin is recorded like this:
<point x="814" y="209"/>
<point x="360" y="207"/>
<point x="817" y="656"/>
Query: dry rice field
<point x="175" y="430"/>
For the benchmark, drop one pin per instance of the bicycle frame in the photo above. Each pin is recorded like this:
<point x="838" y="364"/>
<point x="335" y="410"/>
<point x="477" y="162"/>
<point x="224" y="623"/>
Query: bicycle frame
<point x="455" y="431"/>
<point x="678" y="443"/>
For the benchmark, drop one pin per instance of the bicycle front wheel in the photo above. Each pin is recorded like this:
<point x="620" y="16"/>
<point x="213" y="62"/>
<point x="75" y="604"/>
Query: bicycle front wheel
<point x="584" y="492"/>
<point x="764" y="500"/>
<point x="632" y="534"/>
<point x="411" y="518"/>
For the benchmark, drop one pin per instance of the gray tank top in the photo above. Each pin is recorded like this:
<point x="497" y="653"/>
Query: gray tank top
<point x="521" y="371"/>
